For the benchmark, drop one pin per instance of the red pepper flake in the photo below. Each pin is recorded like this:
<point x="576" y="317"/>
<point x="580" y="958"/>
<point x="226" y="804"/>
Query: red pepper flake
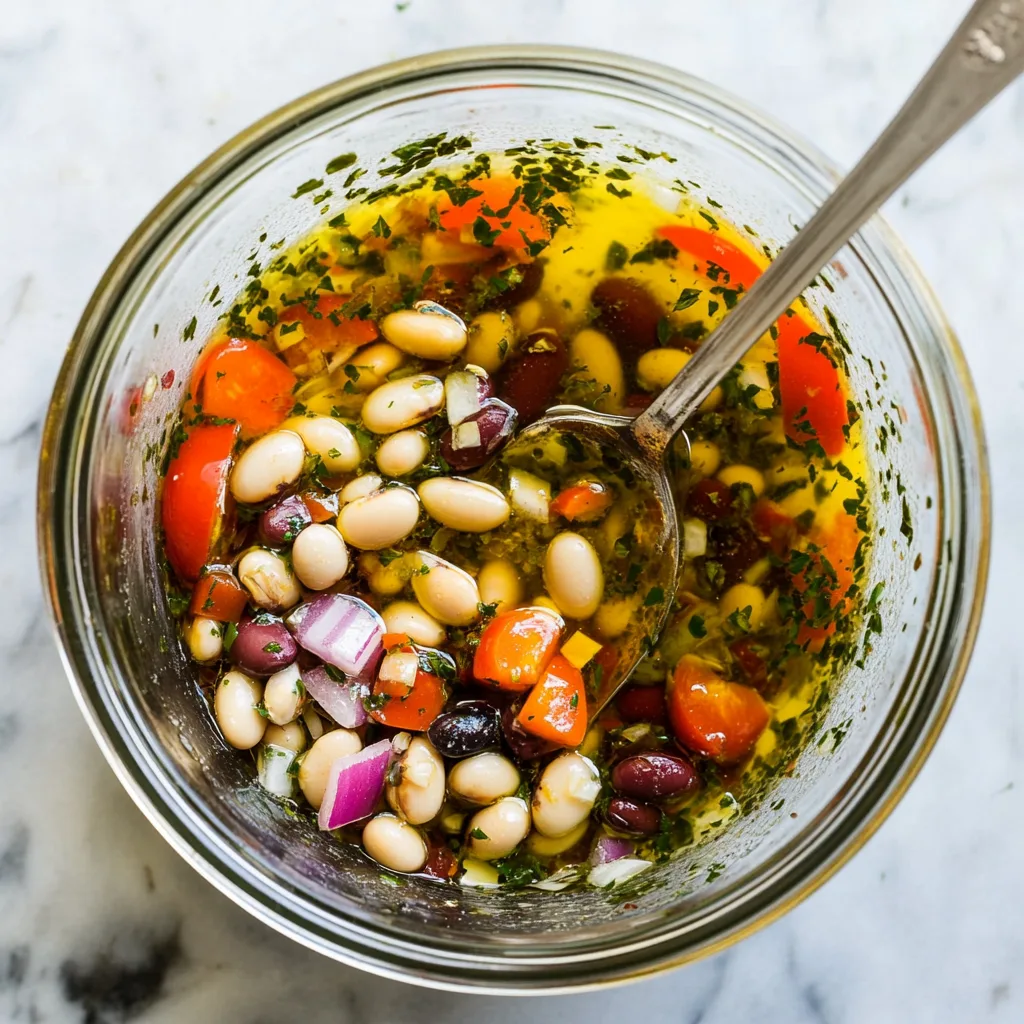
<point x="167" y="379"/>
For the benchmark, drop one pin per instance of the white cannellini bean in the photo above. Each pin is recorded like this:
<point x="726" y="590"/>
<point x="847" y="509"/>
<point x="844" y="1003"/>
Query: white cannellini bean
<point x="546" y="846"/>
<point x="383" y="580"/>
<point x="395" y="844"/>
<point x="733" y="475"/>
<point x="316" y="765"/>
<point x="483" y="778"/>
<point x="705" y="457"/>
<point x="469" y="506"/>
<point x="741" y="596"/>
<point x="565" y="795"/>
<point x="419" y="794"/>
<point x="205" y="639"/>
<point x="402" y="453"/>
<point x="497" y="830"/>
<point x="291" y="736"/>
<point x="330" y="439"/>
<point x="403" y="403"/>
<point x="234" y="706"/>
<point x="374" y="363"/>
<point x="268" y="579"/>
<point x="530" y="496"/>
<point x="362" y="487"/>
<point x="492" y="339"/>
<point x="596" y="358"/>
<point x="573" y="576"/>
<point x="427" y="330"/>
<point x="409" y="617"/>
<point x="499" y="584"/>
<point x="267" y="466"/>
<point x="319" y="556"/>
<point x="284" y="695"/>
<point x="445" y="591"/>
<point x="695" y="537"/>
<point x="380" y="519"/>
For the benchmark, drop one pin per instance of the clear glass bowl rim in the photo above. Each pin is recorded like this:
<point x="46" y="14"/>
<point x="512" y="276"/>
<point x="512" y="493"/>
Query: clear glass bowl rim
<point x="63" y="521"/>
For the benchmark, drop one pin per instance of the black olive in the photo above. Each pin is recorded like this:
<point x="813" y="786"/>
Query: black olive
<point x="467" y="729"/>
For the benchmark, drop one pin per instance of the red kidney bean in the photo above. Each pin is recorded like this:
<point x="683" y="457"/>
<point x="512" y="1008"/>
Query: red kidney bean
<point x="263" y="645"/>
<point x="282" y="523"/>
<point x="749" y="655"/>
<point x="628" y="314"/>
<point x="653" y="776"/>
<point x="496" y="422"/>
<point x="530" y="383"/>
<point x="469" y="728"/>
<point x="736" y="548"/>
<point x="710" y="500"/>
<point x="637" y="819"/>
<point x="522" y="744"/>
<point x="642" y="704"/>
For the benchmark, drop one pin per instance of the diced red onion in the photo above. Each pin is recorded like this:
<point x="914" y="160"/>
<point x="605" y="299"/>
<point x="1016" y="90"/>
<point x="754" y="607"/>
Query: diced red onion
<point x="472" y="442"/>
<point x="465" y="393"/>
<point x="355" y="784"/>
<point x="609" y="848"/>
<point x="342" y="701"/>
<point x="341" y="630"/>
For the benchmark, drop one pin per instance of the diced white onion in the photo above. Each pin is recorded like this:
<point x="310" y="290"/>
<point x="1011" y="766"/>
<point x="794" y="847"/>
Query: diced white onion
<point x="399" y="667"/>
<point x="615" y="872"/>
<point x="695" y="538"/>
<point x="530" y="496"/>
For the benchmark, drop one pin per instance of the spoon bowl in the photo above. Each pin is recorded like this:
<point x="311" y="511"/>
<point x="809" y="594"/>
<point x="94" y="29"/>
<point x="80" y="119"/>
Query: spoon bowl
<point x="612" y="440"/>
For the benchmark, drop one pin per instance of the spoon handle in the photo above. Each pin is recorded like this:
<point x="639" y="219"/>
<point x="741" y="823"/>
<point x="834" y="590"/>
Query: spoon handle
<point x="984" y="55"/>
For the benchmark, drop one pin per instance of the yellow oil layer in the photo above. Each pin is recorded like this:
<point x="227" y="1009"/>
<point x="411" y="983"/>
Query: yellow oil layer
<point x="575" y="261"/>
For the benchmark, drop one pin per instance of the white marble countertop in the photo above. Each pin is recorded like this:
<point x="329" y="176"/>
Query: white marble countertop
<point x="104" y="104"/>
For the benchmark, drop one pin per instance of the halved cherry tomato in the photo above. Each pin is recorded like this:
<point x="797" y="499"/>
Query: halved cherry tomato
<point x="582" y="503"/>
<point x="411" y="708"/>
<point x="324" y="332"/>
<point x="195" y="489"/>
<point x="809" y="383"/>
<point x="322" y="507"/>
<point x="218" y="595"/>
<point x="711" y="716"/>
<point x="556" y="708"/>
<point x="501" y="209"/>
<point x="773" y="526"/>
<point x="515" y="648"/>
<point x="390" y="640"/>
<point x="837" y="543"/>
<point x="240" y="380"/>
<point x="810" y="389"/>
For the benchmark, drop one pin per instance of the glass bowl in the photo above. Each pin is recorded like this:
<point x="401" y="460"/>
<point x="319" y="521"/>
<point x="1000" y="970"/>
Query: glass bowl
<point x="99" y="481"/>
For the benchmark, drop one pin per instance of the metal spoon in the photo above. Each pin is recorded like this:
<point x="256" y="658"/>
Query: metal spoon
<point x="984" y="55"/>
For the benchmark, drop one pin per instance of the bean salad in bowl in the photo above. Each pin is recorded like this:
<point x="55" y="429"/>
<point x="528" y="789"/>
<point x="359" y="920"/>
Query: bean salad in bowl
<point x="404" y="620"/>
